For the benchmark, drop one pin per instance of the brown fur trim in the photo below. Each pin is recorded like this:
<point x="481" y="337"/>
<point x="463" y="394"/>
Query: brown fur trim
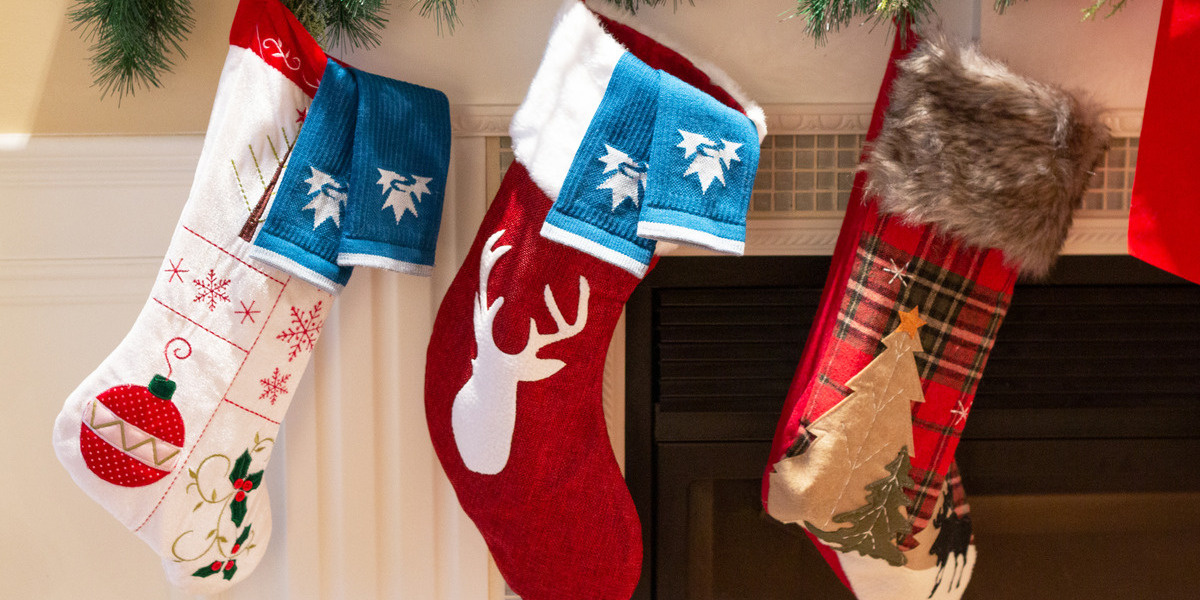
<point x="984" y="155"/>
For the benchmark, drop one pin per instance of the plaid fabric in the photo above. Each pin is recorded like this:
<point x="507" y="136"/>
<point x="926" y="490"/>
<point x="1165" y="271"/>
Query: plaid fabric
<point x="962" y="294"/>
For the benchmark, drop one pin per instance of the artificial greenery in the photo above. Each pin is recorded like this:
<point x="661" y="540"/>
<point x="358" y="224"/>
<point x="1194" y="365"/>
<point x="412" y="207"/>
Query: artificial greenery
<point x="132" y="41"/>
<point x="823" y="16"/>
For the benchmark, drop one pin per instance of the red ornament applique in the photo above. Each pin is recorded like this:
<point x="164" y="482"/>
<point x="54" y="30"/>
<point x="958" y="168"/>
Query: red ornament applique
<point x="132" y="435"/>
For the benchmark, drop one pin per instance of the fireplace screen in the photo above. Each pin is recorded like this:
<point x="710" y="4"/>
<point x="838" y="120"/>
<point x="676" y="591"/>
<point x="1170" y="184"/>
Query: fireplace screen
<point x="1079" y="458"/>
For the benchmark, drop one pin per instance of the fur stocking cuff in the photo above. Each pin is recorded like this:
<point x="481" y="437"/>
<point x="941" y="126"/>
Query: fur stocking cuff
<point x="984" y="155"/>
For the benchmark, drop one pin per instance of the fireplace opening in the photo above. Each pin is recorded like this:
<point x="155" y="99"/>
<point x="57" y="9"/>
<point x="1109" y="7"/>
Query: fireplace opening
<point x="1079" y="458"/>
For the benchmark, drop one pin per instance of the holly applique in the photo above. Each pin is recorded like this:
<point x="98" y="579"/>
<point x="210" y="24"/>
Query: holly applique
<point x="242" y="483"/>
<point x="132" y="435"/>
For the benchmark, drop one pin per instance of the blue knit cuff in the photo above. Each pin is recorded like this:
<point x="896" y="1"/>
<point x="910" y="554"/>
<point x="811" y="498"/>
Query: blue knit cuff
<point x="303" y="227"/>
<point x="702" y="166"/>
<point x="398" y="176"/>
<point x="597" y="210"/>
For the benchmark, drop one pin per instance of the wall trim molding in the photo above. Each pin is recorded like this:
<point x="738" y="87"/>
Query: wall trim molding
<point x="782" y="119"/>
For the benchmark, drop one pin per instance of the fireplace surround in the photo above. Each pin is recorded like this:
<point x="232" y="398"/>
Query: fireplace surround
<point x="1079" y="458"/>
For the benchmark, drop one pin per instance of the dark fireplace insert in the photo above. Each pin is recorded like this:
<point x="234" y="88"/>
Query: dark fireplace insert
<point x="1080" y="457"/>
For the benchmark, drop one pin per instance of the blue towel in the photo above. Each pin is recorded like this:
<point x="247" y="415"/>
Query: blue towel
<point x="401" y="155"/>
<point x="303" y="228"/>
<point x="597" y="210"/>
<point x="702" y="166"/>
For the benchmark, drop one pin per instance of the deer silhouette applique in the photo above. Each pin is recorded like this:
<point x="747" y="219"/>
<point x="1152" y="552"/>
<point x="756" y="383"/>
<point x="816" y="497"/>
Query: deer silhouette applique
<point x="485" y="409"/>
<point x="954" y="537"/>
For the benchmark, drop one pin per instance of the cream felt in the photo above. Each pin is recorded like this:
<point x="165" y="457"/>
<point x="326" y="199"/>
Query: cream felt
<point x="875" y="579"/>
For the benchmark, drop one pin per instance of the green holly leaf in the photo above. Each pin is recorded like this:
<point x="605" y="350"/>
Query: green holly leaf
<point x="240" y="467"/>
<point x="255" y="478"/>
<point x="237" y="512"/>
<point x="205" y="571"/>
<point x="242" y="537"/>
<point x="230" y="569"/>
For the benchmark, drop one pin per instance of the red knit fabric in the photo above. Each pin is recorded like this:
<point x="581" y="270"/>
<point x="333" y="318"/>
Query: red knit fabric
<point x="1164" y="217"/>
<point x="268" y="28"/>
<point x="558" y="518"/>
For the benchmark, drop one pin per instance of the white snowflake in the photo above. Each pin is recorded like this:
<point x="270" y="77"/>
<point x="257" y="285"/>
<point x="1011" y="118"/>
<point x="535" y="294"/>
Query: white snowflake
<point x="274" y="386"/>
<point x="710" y="162"/>
<point x="211" y="290"/>
<point x="402" y="190"/>
<point x="305" y="327"/>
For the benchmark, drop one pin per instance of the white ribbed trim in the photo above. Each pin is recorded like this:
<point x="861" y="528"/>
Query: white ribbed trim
<point x="350" y="259"/>
<point x="684" y="235"/>
<point x="549" y="126"/>
<point x="600" y="251"/>
<point x="295" y="269"/>
<point x="725" y="82"/>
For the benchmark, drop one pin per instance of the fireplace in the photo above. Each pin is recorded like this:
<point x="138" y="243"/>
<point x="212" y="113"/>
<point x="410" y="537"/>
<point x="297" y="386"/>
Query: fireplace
<point x="1080" y="457"/>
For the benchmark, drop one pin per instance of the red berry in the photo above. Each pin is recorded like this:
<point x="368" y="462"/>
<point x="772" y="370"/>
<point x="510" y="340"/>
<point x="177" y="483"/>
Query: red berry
<point x="248" y="485"/>
<point x="216" y="566"/>
<point x="235" y="548"/>
<point x="237" y="485"/>
<point x="239" y="497"/>
<point x="229" y="565"/>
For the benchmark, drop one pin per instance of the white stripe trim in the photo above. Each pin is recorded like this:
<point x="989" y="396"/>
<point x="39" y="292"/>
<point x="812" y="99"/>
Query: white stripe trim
<point x="350" y="259"/>
<point x="295" y="269"/>
<point x="127" y="435"/>
<point x="600" y="251"/>
<point x="674" y="233"/>
<point x="549" y="127"/>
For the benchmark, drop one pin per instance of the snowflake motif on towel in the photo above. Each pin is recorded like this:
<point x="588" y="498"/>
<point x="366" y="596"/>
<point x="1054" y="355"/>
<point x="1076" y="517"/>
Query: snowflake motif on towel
<point x="328" y="196"/>
<point x="711" y="161"/>
<point x="211" y="290"/>
<point x="629" y="181"/>
<point x="402" y="191"/>
<point x="303" y="331"/>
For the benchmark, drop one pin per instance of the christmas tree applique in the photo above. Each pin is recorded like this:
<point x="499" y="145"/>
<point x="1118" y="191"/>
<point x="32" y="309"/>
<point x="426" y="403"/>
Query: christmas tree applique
<point x="847" y="448"/>
<point x="875" y="527"/>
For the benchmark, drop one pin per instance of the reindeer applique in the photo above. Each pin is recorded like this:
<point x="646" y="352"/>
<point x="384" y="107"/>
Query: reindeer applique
<point x="485" y="409"/>
<point x="954" y="537"/>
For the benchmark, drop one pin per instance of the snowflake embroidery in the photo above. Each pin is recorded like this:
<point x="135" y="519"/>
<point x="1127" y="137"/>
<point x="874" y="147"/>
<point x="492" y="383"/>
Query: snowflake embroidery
<point x="211" y="290"/>
<point x="959" y="412"/>
<point x="305" y="327"/>
<point x="247" y="312"/>
<point x="175" y="270"/>
<point x="710" y="162"/>
<point x="274" y="386"/>
<point x="401" y="190"/>
<point x="629" y="179"/>
<point x="898" y="272"/>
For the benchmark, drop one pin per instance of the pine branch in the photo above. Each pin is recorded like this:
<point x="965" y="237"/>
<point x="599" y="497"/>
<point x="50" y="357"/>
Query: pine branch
<point x="131" y="39"/>
<point x="633" y="5"/>
<point x="445" y="12"/>
<point x="1089" y="13"/>
<point x="823" y="16"/>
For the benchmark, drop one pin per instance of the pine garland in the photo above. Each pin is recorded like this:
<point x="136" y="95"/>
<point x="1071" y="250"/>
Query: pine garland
<point x="132" y="40"/>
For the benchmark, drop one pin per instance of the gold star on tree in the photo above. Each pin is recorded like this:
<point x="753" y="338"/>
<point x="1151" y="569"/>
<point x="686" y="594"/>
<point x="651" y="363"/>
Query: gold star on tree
<point x="910" y="321"/>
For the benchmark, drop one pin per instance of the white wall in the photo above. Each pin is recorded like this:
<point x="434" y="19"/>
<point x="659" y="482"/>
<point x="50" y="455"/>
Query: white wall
<point x="85" y="219"/>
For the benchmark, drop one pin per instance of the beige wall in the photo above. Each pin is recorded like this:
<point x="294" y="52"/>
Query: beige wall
<point x="492" y="56"/>
<point x="88" y="209"/>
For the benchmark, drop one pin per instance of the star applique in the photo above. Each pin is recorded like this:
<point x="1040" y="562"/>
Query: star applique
<point x="328" y="196"/>
<point x="710" y="162"/>
<point x="628" y="180"/>
<point x="910" y="322"/>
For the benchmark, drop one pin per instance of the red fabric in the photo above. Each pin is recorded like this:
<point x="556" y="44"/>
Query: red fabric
<point x="962" y="293"/>
<point x="270" y="30"/>
<point x="558" y="518"/>
<point x="1164" y="218"/>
